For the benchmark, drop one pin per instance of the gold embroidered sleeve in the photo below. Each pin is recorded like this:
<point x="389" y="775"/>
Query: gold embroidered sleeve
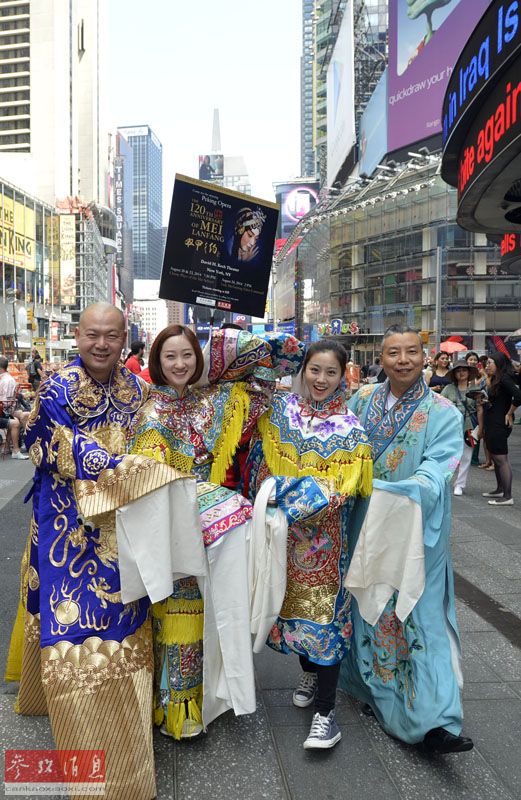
<point x="132" y="478"/>
<point x="60" y="456"/>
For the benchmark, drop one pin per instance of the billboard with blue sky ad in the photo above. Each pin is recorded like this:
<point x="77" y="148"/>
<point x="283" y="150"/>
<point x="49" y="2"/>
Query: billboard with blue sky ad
<point x="426" y="38"/>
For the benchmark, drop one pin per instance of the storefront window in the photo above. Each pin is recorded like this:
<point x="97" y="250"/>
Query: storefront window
<point x="9" y="279"/>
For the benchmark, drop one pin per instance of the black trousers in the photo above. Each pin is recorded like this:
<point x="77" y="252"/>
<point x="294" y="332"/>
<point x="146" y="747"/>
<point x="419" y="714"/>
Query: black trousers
<point x="327" y="680"/>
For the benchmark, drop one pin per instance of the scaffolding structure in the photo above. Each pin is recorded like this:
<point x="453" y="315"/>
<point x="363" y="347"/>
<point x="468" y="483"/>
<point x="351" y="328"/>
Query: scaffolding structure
<point x="93" y="280"/>
<point x="370" y="60"/>
<point x="371" y="51"/>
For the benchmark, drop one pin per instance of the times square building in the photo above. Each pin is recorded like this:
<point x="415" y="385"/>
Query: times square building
<point x="382" y="246"/>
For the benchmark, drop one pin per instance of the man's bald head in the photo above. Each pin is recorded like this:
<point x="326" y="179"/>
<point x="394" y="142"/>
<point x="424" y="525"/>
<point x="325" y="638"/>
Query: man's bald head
<point x="98" y="310"/>
<point x="100" y="337"/>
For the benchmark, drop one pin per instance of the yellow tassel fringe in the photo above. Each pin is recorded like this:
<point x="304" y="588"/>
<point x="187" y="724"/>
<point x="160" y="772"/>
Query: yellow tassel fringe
<point x="236" y="412"/>
<point x="182" y="621"/>
<point x="177" y="713"/>
<point x="149" y="444"/>
<point x="13" y="668"/>
<point x="159" y="715"/>
<point x="351" y="472"/>
<point x="173" y="606"/>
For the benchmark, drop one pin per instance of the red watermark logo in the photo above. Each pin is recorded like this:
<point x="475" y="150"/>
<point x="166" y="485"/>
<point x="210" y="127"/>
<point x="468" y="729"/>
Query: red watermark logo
<point x="54" y="772"/>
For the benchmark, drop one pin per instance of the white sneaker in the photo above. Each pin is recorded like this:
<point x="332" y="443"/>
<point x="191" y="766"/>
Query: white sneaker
<point x="324" y="732"/>
<point x="190" y="730"/>
<point x="458" y="491"/>
<point x="20" y="456"/>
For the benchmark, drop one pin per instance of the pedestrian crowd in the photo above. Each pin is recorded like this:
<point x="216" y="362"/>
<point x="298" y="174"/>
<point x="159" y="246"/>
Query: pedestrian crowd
<point x="181" y="510"/>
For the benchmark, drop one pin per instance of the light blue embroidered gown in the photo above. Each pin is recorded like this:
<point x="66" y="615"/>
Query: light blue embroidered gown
<point x="410" y="673"/>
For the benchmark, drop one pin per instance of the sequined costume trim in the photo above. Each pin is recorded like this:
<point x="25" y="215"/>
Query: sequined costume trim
<point x="88" y="398"/>
<point x="96" y="660"/>
<point x="134" y="477"/>
<point x="178" y="640"/>
<point x="200" y="423"/>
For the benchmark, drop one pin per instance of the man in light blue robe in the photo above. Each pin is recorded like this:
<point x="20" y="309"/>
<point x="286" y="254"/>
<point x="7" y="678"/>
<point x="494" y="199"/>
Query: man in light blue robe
<point x="408" y="671"/>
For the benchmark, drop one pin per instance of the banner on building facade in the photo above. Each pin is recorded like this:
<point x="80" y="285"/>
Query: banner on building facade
<point x="68" y="259"/>
<point x="373" y="128"/>
<point x="219" y="248"/>
<point x="17" y="234"/>
<point x="296" y="199"/>
<point x="39" y="343"/>
<point x="341" y="132"/>
<point x="52" y="241"/>
<point x="211" y="167"/>
<point x="118" y="208"/>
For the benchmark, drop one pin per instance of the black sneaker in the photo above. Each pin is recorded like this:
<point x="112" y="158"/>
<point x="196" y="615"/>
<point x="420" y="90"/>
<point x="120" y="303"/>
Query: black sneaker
<point x="306" y="690"/>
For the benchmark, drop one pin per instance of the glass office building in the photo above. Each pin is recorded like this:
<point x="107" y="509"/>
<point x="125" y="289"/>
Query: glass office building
<point x="371" y="257"/>
<point x="147" y="153"/>
<point x="307" y="150"/>
<point x="382" y="245"/>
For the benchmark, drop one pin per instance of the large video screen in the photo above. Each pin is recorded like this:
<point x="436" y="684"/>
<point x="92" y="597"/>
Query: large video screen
<point x="211" y="167"/>
<point x="295" y="201"/>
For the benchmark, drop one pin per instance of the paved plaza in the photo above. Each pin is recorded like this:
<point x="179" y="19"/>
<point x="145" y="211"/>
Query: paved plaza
<point x="261" y="756"/>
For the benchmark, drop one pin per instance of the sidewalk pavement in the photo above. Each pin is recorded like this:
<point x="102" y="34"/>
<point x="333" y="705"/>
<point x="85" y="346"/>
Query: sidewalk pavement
<point x="261" y="756"/>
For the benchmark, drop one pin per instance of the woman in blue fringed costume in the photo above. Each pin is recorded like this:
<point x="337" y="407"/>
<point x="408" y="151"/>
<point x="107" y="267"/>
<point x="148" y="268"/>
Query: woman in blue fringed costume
<point x="319" y="457"/>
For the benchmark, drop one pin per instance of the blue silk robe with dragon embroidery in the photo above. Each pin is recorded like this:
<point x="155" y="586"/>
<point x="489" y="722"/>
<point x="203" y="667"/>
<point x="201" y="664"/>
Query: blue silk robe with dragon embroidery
<point x="91" y="655"/>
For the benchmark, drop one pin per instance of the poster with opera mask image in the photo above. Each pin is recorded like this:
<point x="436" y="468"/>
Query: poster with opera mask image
<point x="219" y="248"/>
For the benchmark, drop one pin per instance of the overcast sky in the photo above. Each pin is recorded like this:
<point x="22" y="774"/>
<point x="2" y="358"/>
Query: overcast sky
<point x="173" y="61"/>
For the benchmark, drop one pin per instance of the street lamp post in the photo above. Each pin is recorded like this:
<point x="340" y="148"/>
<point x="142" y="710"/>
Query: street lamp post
<point x="273" y="285"/>
<point x="11" y="295"/>
<point x="437" y="320"/>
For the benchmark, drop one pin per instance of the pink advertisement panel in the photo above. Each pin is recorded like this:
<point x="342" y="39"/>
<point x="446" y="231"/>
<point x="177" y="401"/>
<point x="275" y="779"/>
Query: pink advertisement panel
<point x="426" y="38"/>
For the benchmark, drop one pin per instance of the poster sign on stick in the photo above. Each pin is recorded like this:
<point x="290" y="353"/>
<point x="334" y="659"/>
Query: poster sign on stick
<point x="219" y="248"/>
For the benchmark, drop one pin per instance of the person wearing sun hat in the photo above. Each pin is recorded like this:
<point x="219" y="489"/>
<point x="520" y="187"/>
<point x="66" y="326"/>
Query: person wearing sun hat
<point x="460" y="375"/>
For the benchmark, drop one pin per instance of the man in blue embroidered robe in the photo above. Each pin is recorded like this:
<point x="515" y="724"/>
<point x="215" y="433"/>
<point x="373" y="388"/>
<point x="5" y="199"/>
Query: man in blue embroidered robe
<point x="408" y="671"/>
<point x="87" y="658"/>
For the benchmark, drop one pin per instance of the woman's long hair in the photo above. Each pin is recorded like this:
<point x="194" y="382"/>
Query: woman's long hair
<point x="503" y="367"/>
<point x="436" y="358"/>
<point x="154" y="359"/>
